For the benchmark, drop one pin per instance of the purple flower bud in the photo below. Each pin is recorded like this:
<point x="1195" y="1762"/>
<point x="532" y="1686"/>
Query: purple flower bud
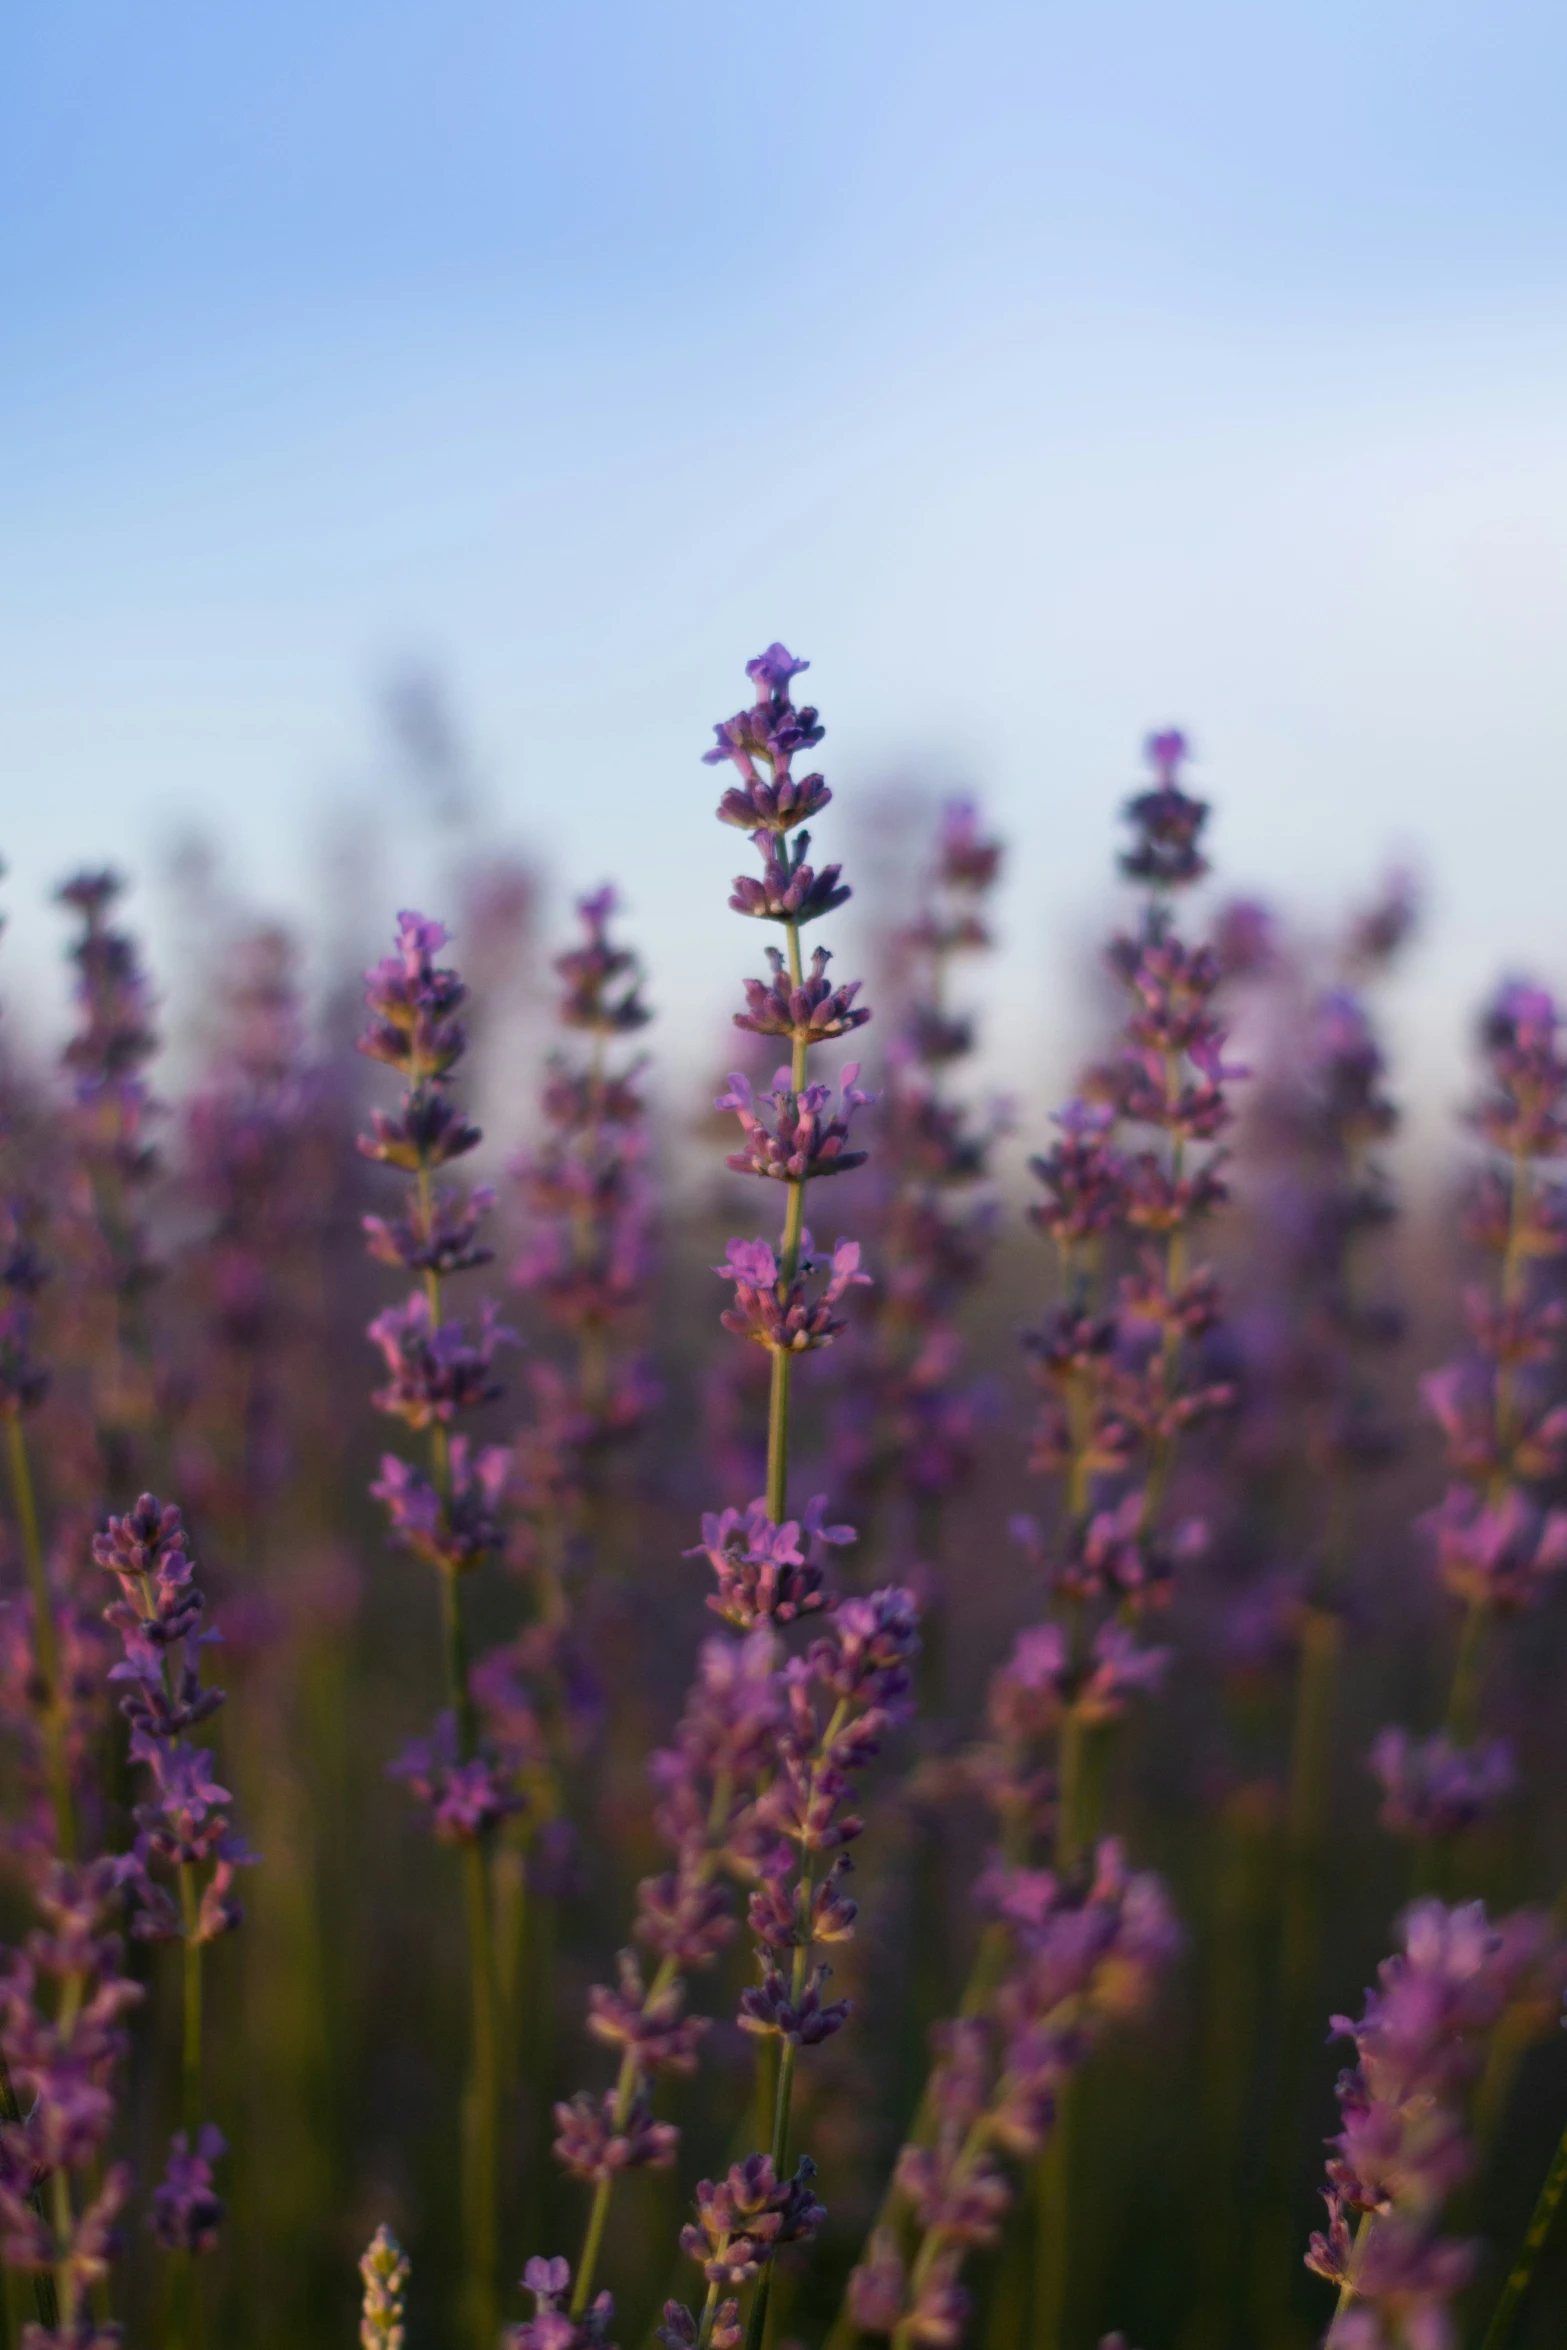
<point x="1432" y="1787"/>
<point x="187" y="2210"/>
<point x="812" y="1013"/>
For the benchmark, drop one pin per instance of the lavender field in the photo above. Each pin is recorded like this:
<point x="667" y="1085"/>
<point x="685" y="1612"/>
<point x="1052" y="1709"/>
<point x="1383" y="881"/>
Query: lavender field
<point x="616" y="1741"/>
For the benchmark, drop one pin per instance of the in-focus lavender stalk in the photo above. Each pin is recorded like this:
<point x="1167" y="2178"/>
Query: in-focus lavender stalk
<point x="793" y="1135"/>
<point x="437" y="1371"/>
<point x="756" y="1786"/>
<point x="1504" y="1424"/>
<point x="183" y="1830"/>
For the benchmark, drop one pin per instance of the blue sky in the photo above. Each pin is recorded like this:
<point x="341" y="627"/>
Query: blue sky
<point x="1041" y="371"/>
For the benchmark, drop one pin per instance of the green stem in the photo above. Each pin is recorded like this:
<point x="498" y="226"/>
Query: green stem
<point x="626" y="2084"/>
<point x="1069" y="1789"/>
<point x="45" y="1644"/>
<point x="43" y="2282"/>
<point x="794" y="1226"/>
<point x="1053" y="2228"/>
<point x="190" y="2067"/>
<point x="1463" y="1701"/>
<point x="778" y="1423"/>
<point x="1522" y="2270"/>
<point x="479" y="2200"/>
<point x="64" y="2225"/>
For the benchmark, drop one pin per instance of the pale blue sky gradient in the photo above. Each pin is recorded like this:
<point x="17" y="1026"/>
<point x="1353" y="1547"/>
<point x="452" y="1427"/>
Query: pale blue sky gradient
<point x="1041" y="371"/>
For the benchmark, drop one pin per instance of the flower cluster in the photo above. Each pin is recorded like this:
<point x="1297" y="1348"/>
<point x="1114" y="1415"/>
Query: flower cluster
<point x="799" y="1131"/>
<point x="1080" y="1953"/>
<point x="63" y="1999"/>
<point x="261" y="1152"/>
<point x="588" y="1259"/>
<point x="1125" y="1357"/>
<point x="1402" y="2147"/>
<point x="839" y="1701"/>
<point x="742" y="2221"/>
<point x="1497" y="1543"/>
<point x="106" y="1254"/>
<point x="184" y="1828"/>
<point x="551" y="2327"/>
<point x="908" y="1417"/>
<point x="437" y="1369"/>
<point x="707" y="1784"/>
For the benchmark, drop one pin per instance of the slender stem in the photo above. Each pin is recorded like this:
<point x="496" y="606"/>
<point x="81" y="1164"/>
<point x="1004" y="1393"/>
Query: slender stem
<point x="481" y="2135"/>
<point x="43" y="2282"/>
<point x="1069" y="1789"/>
<point x="1522" y="2270"/>
<point x="64" y="2226"/>
<point x="45" y="1643"/>
<point x="1463" y="1701"/>
<point x="190" y="2069"/>
<point x="709" y="2311"/>
<point x="1053" y="2228"/>
<point x="778" y="1426"/>
<point x="479" y="2198"/>
<point x="627" y="2082"/>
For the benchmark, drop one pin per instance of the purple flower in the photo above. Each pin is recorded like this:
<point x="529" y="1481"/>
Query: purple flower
<point x="550" y="2328"/>
<point x="1167" y="821"/>
<point x="187" y="2210"/>
<point x="768" y="1573"/>
<point x="597" y="2137"/>
<point x="812" y="1013"/>
<point x="436" y="1370"/>
<point x="748" y="2215"/>
<point x="771" y="731"/>
<point x="441" y="1237"/>
<point x="1432" y="1787"/>
<point x="413" y="1003"/>
<point x="1497" y="1556"/>
<point x="785" y="1315"/>
<point x="790" y="890"/>
<point x="803" y="1142"/>
<point x="466" y="1798"/>
<point x="649" y="2025"/>
<point x="603" y="984"/>
<point x="455" y="1529"/>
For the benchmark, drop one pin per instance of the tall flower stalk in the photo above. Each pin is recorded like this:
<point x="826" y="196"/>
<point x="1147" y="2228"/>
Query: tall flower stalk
<point x="904" y="1429"/>
<point x="184" y="1834"/>
<point x="1404" y="2145"/>
<point x="756" y="1789"/>
<point x="1505" y="1426"/>
<point x="445" y="1513"/>
<point x="587" y="1260"/>
<point x="113" y="1164"/>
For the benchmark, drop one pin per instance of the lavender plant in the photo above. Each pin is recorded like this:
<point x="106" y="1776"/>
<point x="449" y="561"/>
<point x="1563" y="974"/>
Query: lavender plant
<point x="757" y="1785"/>
<point x="184" y="1831"/>
<point x="436" y="1371"/>
<point x="1496" y="1545"/>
